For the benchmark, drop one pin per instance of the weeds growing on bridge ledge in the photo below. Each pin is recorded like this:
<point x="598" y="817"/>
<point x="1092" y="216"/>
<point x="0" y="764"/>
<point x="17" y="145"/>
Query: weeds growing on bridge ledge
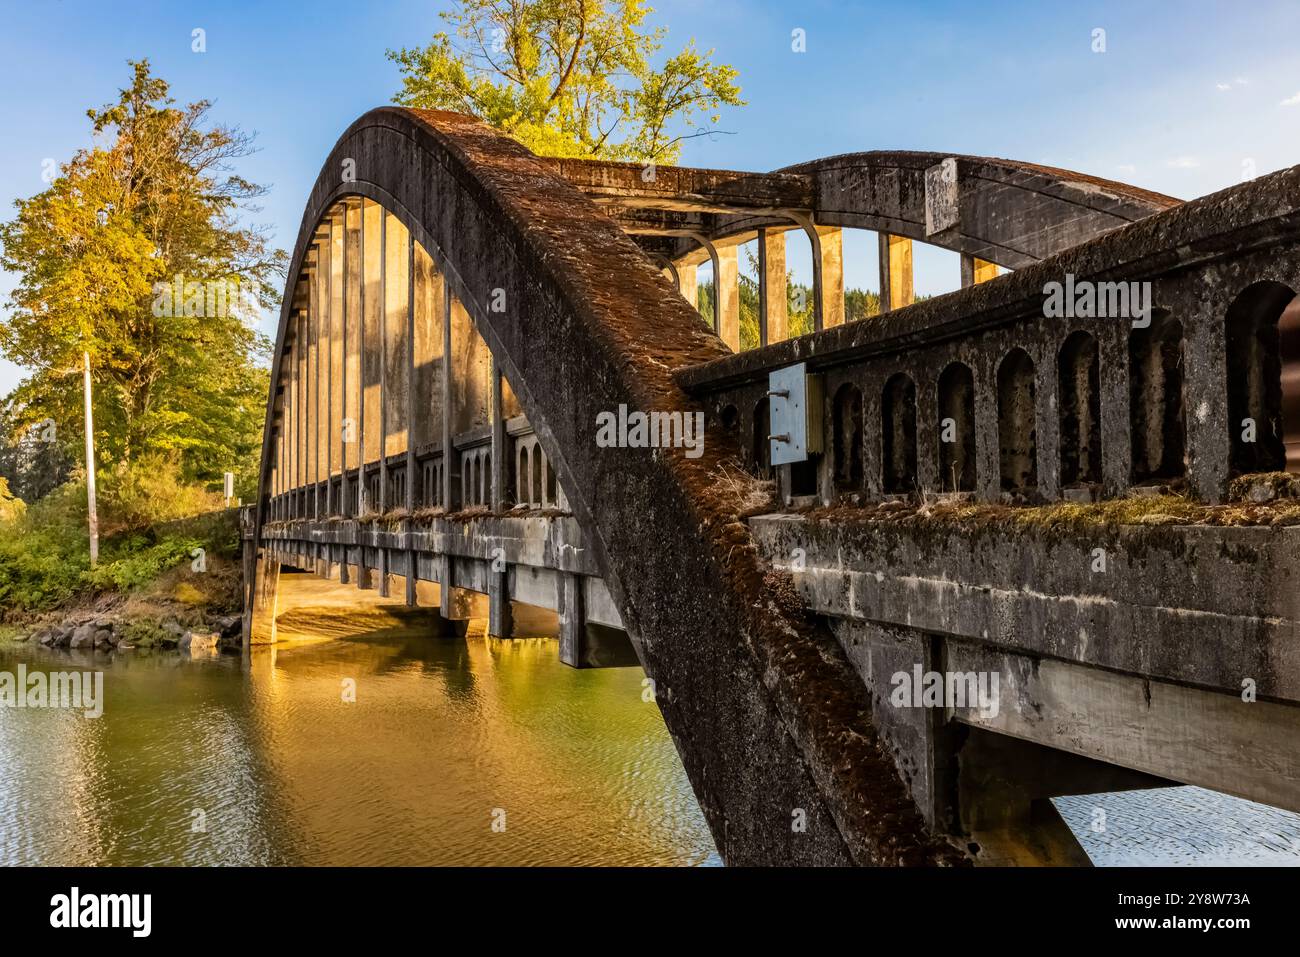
<point x="1071" y="516"/>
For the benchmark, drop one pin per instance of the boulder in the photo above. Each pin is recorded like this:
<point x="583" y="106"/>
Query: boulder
<point x="104" y="638"/>
<point x="172" y="634"/>
<point x="228" y="626"/>
<point x="83" y="636"/>
<point x="202" y="642"/>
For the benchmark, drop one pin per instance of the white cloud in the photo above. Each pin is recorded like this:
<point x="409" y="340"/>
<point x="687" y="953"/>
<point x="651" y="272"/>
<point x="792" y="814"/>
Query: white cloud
<point x="1127" y="168"/>
<point x="1291" y="100"/>
<point x="1183" y="162"/>
<point x="1223" y="86"/>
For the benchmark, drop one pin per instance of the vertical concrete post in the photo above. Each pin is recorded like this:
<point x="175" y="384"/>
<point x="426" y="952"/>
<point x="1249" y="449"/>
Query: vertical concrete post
<point x="830" y="242"/>
<point x="446" y="602"/>
<point x="1116" y="420"/>
<point x="500" y="453"/>
<point x="310" y="412"/>
<point x="450" y="467"/>
<point x="353" y="282"/>
<point x="344" y="424"/>
<point x="293" y="415"/>
<point x="573" y="619"/>
<point x="338" y="259"/>
<point x="988" y="467"/>
<point x="688" y="284"/>
<point x="300" y="411"/>
<point x="726" y="287"/>
<point x="410" y="420"/>
<point x="500" y="617"/>
<point x="975" y="271"/>
<point x="372" y="335"/>
<point x="262" y="573"/>
<point x="324" y="427"/>
<point x="895" y="272"/>
<point x="365" y="363"/>
<point x="382" y="570"/>
<point x="774" y="322"/>
<point x="363" y="273"/>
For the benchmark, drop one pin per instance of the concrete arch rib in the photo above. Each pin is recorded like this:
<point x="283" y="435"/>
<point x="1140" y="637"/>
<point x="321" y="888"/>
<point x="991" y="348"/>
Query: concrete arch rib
<point x="1003" y="211"/>
<point x="766" y="713"/>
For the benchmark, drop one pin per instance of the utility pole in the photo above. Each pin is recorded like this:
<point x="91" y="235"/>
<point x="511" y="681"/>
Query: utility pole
<point x="90" y="462"/>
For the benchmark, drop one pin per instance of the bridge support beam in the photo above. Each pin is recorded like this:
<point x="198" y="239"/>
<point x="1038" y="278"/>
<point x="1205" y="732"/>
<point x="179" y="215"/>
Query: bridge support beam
<point x="572" y="620"/>
<point x="774" y="324"/>
<point x="262" y="579"/>
<point x="975" y="271"/>
<point x="585" y="644"/>
<point x="688" y="284"/>
<point x="726" y="287"/>
<point x="830" y="250"/>
<point x="501" y="621"/>
<point x="500" y="491"/>
<point x="896" y="289"/>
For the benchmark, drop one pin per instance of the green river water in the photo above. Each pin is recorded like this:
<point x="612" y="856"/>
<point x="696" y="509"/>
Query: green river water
<point x="455" y="751"/>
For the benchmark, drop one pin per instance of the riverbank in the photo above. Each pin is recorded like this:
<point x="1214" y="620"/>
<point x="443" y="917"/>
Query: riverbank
<point x="164" y="585"/>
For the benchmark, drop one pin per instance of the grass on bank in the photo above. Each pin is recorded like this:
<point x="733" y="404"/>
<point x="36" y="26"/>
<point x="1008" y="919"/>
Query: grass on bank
<point x="151" y="525"/>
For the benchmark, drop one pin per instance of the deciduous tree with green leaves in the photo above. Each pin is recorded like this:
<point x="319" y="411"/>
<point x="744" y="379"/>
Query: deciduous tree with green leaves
<point x="97" y="255"/>
<point x="569" y="78"/>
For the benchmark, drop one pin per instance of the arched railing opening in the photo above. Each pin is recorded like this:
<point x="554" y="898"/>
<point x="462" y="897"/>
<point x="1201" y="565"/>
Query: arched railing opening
<point x="898" y="417"/>
<point x="1156" y="404"/>
<point x="1017" y="431"/>
<point x="957" y="429"/>
<point x="1254" y="354"/>
<point x="847" y="444"/>
<point x="1080" y="410"/>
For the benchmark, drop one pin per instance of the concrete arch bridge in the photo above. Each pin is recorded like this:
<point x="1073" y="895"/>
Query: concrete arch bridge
<point x="1077" y="519"/>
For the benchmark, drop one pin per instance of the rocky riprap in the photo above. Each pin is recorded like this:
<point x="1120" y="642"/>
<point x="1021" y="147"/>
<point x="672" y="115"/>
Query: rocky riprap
<point x="111" y="633"/>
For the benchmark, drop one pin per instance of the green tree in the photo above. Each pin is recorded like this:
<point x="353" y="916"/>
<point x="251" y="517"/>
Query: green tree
<point x="136" y="253"/>
<point x="11" y="506"/>
<point x="568" y="78"/>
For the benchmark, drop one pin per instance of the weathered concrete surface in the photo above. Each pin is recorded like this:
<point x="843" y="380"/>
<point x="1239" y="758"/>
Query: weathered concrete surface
<point x="1198" y="257"/>
<point x="768" y="715"/>
<point x="1001" y="211"/>
<point x="532" y="553"/>
<point x="648" y="186"/>
<point x="1132" y="646"/>
<point x="1196" y="605"/>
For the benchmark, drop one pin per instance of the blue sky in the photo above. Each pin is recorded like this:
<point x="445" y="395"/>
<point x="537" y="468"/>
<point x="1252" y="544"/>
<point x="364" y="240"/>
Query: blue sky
<point x="1185" y="97"/>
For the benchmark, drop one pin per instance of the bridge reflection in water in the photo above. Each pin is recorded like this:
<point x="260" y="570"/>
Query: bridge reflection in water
<point x="284" y="771"/>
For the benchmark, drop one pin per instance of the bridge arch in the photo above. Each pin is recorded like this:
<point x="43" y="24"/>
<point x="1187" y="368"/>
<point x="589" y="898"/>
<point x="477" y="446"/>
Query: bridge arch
<point x="579" y="322"/>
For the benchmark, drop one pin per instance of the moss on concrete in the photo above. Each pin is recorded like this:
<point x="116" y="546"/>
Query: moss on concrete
<point x="1070" y="517"/>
